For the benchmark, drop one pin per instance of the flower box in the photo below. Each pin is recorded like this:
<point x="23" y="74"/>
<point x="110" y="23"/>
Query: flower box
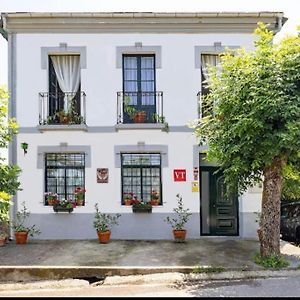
<point x="142" y="209"/>
<point x="59" y="208"/>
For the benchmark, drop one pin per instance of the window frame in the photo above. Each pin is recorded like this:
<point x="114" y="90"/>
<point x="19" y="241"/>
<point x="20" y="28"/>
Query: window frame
<point x="66" y="179"/>
<point x="141" y="167"/>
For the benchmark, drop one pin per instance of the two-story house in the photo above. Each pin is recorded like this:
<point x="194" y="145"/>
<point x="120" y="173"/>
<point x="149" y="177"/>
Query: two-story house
<point x="103" y="101"/>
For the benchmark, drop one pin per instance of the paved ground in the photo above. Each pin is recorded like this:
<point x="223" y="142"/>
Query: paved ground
<point x="53" y="259"/>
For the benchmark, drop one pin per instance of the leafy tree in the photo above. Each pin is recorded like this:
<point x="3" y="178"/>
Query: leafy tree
<point x="254" y="128"/>
<point x="8" y="173"/>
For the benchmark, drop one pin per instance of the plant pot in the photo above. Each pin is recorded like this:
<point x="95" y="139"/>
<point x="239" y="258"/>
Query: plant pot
<point x="142" y="209"/>
<point x="64" y="119"/>
<point x="58" y="208"/>
<point x="154" y="202"/>
<point x="51" y="202"/>
<point x="179" y="235"/>
<point x="21" y="237"/>
<point x="2" y="241"/>
<point x="139" y="117"/>
<point x="127" y="202"/>
<point x="79" y="202"/>
<point x="103" y="236"/>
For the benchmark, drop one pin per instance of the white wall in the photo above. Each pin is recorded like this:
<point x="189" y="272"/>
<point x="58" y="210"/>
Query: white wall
<point x="178" y="78"/>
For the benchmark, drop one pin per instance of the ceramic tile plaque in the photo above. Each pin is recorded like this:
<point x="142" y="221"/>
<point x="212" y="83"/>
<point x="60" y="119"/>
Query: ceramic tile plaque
<point x="102" y="175"/>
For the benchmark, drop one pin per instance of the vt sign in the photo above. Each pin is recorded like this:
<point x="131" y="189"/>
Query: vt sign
<point x="179" y="175"/>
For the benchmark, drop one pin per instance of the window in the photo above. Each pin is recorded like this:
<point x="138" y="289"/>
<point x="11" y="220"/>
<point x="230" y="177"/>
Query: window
<point x="141" y="175"/>
<point x="207" y="60"/>
<point x="139" y="85"/>
<point x="64" y="86"/>
<point x="63" y="173"/>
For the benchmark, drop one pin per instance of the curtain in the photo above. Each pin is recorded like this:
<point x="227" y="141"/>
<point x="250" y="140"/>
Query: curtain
<point x="208" y="60"/>
<point x="67" y="70"/>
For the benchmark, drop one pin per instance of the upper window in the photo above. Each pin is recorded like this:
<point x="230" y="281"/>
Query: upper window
<point x="141" y="176"/>
<point x="139" y="87"/>
<point x="64" y="173"/>
<point x="64" y="101"/>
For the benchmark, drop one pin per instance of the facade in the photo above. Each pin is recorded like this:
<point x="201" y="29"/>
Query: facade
<point x="77" y="81"/>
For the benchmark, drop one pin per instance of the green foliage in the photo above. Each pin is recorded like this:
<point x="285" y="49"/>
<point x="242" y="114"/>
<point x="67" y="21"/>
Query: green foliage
<point x="4" y="207"/>
<point x="273" y="261"/>
<point x="183" y="215"/>
<point x="103" y="222"/>
<point x="291" y="183"/>
<point x="208" y="270"/>
<point x="20" y="223"/>
<point x="255" y="109"/>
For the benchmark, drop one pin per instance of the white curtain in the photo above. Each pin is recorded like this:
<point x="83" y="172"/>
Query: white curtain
<point x="208" y="60"/>
<point x="67" y="70"/>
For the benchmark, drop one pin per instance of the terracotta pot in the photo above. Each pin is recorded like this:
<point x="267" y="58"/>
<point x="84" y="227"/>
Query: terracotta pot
<point x="179" y="235"/>
<point x="21" y="237"/>
<point x="79" y="202"/>
<point x="51" y="202"/>
<point x="127" y="202"/>
<point x="103" y="236"/>
<point x="2" y="241"/>
<point x="139" y="117"/>
<point x="154" y="202"/>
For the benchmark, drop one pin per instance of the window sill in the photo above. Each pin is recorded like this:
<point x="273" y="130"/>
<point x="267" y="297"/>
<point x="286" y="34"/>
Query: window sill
<point x="157" y="126"/>
<point x="82" y="127"/>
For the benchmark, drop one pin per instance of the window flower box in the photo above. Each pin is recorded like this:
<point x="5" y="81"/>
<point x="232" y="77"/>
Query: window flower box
<point x="141" y="207"/>
<point x="64" y="206"/>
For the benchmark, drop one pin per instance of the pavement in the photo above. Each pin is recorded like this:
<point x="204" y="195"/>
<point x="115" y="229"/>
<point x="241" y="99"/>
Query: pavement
<point x="213" y="257"/>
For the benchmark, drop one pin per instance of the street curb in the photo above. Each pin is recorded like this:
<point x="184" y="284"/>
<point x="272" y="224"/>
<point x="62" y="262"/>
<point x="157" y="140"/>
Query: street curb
<point x="32" y="273"/>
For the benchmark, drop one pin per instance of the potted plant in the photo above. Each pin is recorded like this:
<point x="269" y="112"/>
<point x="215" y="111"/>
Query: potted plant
<point x="3" y="238"/>
<point x="139" y="117"/>
<point x="79" y="196"/>
<point x="64" y="206"/>
<point x="177" y="223"/>
<point x="141" y="207"/>
<point x="51" y="198"/>
<point x="4" y="216"/>
<point x="21" y="227"/>
<point x="128" y="197"/>
<point x="103" y="223"/>
<point x="154" y="198"/>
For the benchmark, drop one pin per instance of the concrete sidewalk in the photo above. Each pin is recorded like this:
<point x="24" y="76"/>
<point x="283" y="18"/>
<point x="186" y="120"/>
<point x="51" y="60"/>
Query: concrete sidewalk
<point x="58" y="259"/>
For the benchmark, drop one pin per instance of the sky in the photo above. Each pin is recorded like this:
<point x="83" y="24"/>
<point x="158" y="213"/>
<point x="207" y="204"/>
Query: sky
<point x="290" y="8"/>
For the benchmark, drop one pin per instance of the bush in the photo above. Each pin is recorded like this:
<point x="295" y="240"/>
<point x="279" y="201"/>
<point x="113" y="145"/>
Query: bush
<point x="273" y="261"/>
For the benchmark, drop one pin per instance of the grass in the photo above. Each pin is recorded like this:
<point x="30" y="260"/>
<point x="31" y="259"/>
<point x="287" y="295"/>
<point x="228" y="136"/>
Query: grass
<point x="208" y="270"/>
<point x="271" y="262"/>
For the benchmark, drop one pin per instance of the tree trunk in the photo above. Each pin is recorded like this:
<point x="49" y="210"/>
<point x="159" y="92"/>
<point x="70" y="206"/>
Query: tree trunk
<point x="269" y="231"/>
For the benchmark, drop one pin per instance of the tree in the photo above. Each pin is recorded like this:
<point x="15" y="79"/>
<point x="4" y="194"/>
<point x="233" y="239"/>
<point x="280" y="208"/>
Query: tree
<point x="254" y="128"/>
<point x="8" y="173"/>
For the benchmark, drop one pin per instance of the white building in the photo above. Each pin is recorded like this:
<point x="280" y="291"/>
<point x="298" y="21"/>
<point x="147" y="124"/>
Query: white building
<point x="101" y="65"/>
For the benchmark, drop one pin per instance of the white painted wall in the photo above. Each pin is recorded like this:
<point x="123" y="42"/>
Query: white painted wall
<point x="101" y="80"/>
<point x="178" y="78"/>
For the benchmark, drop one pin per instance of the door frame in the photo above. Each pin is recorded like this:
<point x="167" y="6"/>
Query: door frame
<point x="212" y="230"/>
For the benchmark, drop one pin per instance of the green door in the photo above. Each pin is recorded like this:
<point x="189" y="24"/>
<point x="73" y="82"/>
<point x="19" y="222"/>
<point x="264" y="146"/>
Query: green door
<point x="219" y="214"/>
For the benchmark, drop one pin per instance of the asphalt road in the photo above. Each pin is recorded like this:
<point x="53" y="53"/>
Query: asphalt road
<point x="163" y="285"/>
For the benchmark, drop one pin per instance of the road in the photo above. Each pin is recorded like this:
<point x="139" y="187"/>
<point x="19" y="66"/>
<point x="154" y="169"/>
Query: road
<point x="156" y="286"/>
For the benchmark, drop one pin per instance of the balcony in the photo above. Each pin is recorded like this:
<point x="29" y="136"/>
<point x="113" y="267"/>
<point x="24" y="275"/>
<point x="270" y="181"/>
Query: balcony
<point x="140" y="110"/>
<point x="62" y="109"/>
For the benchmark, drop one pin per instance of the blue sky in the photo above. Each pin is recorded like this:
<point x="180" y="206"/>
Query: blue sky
<point x="291" y="9"/>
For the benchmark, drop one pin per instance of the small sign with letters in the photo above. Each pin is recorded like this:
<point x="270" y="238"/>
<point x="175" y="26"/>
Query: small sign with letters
<point x="179" y="175"/>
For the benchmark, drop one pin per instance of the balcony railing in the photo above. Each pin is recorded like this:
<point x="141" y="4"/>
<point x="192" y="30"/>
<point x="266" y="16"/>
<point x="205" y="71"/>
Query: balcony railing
<point x="140" y="107"/>
<point x="62" y="108"/>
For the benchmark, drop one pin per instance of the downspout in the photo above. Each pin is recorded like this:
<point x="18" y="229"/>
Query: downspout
<point x="12" y="84"/>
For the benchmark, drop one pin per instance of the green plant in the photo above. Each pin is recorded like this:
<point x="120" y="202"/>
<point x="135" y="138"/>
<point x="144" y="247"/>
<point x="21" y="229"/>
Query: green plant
<point x="182" y="215"/>
<point x="20" y="223"/>
<point x="273" y="261"/>
<point x="103" y="221"/>
<point x="208" y="270"/>
<point x="161" y="119"/>
<point x="129" y="109"/>
<point x="65" y="204"/>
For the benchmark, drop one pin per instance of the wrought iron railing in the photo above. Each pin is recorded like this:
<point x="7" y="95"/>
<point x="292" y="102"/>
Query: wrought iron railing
<point x="140" y="107"/>
<point x="62" y="108"/>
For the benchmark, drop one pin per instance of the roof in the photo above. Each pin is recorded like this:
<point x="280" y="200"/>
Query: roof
<point x="146" y="22"/>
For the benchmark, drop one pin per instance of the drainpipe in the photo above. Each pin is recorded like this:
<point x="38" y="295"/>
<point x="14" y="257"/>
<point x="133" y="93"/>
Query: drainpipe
<point x="12" y="148"/>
